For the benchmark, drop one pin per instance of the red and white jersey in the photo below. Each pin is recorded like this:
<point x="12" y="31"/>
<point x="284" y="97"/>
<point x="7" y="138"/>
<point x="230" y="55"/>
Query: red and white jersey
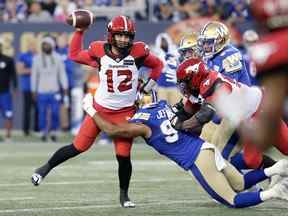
<point x="118" y="77"/>
<point x="233" y="100"/>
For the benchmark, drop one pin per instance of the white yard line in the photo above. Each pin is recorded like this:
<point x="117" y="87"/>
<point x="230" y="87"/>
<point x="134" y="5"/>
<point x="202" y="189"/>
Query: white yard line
<point x="96" y="182"/>
<point x="155" y="203"/>
<point x="97" y="206"/>
<point x="17" y="198"/>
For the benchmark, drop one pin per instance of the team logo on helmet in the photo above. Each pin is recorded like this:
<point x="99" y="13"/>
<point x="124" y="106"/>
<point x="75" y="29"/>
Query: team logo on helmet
<point x="213" y="37"/>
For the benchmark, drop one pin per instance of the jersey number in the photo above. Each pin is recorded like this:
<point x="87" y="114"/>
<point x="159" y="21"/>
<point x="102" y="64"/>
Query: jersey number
<point x="124" y="85"/>
<point x="171" y="135"/>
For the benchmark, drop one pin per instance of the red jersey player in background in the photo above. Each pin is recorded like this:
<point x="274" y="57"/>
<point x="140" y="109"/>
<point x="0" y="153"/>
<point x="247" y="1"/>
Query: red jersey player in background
<point x="271" y="58"/>
<point x="220" y="94"/>
<point x="118" y="60"/>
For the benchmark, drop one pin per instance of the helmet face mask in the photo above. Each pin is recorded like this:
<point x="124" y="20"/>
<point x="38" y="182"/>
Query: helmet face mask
<point x="122" y="26"/>
<point x="188" y="47"/>
<point x="207" y="46"/>
<point x="122" y="40"/>
<point x="213" y="38"/>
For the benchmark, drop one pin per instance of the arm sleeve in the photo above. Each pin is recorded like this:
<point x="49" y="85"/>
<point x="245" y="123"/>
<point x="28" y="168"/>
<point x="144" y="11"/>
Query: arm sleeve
<point x="76" y="52"/>
<point x="155" y="64"/>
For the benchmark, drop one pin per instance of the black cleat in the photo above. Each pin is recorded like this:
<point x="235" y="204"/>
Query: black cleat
<point x="36" y="179"/>
<point x="40" y="174"/>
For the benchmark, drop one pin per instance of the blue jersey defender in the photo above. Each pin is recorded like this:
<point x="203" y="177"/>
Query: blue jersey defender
<point x="217" y="177"/>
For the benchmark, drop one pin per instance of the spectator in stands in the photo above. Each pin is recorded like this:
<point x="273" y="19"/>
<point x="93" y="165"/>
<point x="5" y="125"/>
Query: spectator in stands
<point x="37" y="14"/>
<point x="24" y="66"/>
<point x="210" y="8"/>
<point x="7" y="77"/>
<point x="164" y="11"/>
<point x="63" y="9"/>
<point x="49" y="5"/>
<point x="241" y="16"/>
<point x="15" y="11"/>
<point x="48" y="77"/>
<point x="108" y="2"/>
<point x="187" y="8"/>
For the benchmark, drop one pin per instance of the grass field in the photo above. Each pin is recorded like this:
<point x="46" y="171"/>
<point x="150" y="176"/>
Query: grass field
<point x="88" y="185"/>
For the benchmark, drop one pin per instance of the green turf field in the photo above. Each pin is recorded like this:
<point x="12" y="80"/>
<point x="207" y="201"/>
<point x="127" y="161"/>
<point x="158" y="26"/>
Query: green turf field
<point x="88" y="185"/>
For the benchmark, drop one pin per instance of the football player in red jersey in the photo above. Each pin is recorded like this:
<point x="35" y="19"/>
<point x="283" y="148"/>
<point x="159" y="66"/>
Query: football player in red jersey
<point x="118" y="60"/>
<point x="271" y="58"/>
<point x="219" y="94"/>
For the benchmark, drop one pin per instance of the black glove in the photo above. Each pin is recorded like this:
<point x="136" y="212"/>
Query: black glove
<point x="180" y="112"/>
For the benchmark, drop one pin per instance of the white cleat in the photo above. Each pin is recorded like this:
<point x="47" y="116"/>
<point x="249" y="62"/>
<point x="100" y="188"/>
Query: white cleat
<point x="36" y="179"/>
<point x="128" y="204"/>
<point x="281" y="189"/>
<point x="281" y="168"/>
<point x="274" y="180"/>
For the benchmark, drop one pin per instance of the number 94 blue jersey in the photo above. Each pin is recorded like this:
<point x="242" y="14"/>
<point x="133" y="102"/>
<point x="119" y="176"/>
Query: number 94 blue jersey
<point x="181" y="147"/>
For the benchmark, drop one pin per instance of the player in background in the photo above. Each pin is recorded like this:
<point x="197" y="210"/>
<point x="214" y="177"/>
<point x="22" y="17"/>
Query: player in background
<point x="216" y="176"/>
<point x="248" y="38"/>
<point x="219" y="54"/>
<point x="271" y="58"/>
<point x="166" y="50"/>
<point x="118" y="60"/>
<point x="221" y="95"/>
<point x="222" y="135"/>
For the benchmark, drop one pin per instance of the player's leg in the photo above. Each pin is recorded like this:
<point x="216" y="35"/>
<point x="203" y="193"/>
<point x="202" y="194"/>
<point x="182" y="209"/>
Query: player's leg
<point x="174" y="95"/>
<point x="82" y="142"/>
<point x="208" y="131"/>
<point x="253" y="157"/>
<point x="217" y="185"/>
<point x="123" y="149"/>
<point x="282" y="144"/>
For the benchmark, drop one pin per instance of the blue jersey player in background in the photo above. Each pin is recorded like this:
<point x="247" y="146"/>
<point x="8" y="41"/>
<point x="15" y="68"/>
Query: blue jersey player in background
<point x="220" y="55"/>
<point x="217" y="176"/>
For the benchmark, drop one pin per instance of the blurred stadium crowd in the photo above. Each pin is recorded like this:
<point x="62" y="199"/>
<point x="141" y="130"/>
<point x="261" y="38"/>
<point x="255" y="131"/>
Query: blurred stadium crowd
<point x="235" y="13"/>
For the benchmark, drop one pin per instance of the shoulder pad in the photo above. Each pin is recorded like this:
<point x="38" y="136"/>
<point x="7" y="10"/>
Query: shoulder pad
<point x="96" y="49"/>
<point x="139" y="49"/>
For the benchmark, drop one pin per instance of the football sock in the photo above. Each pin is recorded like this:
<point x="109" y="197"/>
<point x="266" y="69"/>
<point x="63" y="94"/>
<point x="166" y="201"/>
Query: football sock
<point x="124" y="172"/>
<point x="268" y="161"/>
<point x="61" y="155"/>
<point x="238" y="162"/>
<point x="253" y="177"/>
<point x="247" y="199"/>
<point x="267" y="194"/>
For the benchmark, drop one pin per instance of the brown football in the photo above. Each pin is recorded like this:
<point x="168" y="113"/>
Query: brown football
<point x="80" y="18"/>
